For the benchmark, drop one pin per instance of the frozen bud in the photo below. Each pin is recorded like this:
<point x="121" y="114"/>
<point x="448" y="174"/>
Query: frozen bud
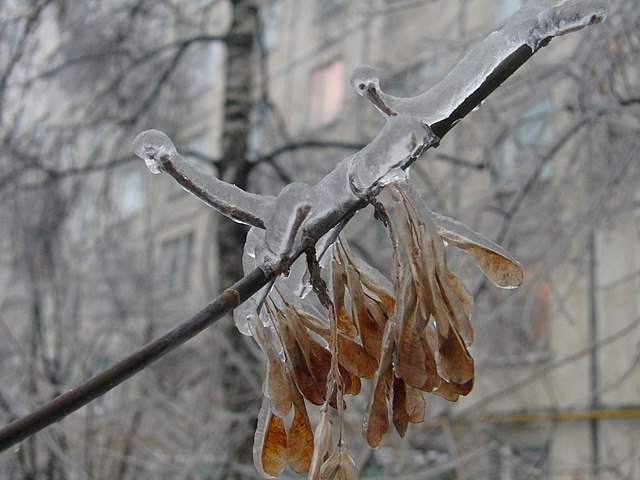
<point x="366" y="82"/>
<point x="150" y="145"/>
<point x="364" y="77"/>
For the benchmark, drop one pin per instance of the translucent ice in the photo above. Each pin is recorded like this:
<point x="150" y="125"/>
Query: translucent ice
<point x="402" y="138"/>
<point x="159" y="153"/>
<point x="292" y="207"/>
<point x="542" y="19"/>
<point x="243" y="314"/>
<point x="150" y="146"/>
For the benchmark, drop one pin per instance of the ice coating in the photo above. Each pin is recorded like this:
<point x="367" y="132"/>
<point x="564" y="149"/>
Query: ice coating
<point x="538" y="20"/>
<point x="402" y="138"/>
<point x="292" y="207"/>
<point x="531" y="25"/>
<point x="384" y="160"/>
<point x="150" y="145"/>
<point x="243" y="314"/>
<point x="300" y="205"/>
<point x="159" y="153"/>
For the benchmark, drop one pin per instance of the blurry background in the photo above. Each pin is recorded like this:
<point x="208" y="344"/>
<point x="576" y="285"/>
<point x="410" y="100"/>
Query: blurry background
<point x="97" y="256"/>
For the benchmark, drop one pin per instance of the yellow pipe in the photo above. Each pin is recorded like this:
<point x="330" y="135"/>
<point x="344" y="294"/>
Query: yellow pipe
<point x="563" y="416"/>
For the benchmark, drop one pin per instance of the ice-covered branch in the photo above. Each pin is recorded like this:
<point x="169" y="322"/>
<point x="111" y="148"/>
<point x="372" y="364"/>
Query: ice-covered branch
<point x="478" y="73"/>
<point x="486" y="66"/>
<point x="301" y="215"/>
<point x="400" y="141"/>
<point x="160" y="155"/>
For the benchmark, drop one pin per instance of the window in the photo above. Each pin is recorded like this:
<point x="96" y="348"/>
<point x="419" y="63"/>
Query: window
<point x="67" y="157"/>
<point x="521" y="463"/>
<point x="86" y="214"/>
<point x="517" y="154"/>
<point x="327" y="93"/>
<point x="129" y="194"/>
<point x="175" y="263"/>
<point x="637" y="269"/>
<point x="258" y="121"/>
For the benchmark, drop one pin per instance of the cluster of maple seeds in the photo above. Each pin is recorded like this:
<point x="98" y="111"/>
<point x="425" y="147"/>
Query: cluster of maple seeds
<point x="408" y="338"/>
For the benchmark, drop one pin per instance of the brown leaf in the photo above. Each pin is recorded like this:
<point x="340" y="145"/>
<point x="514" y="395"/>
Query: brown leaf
<point x="339" y="466"/>
<point x="412" y="361"/>
<point x="300" y="437"/>
<point x="415" y="404"/>
<point x="408" y="406"/>
<point x="318" y="357"/>
<point x="376" y="422"/>
<point x="503" y="271"/>
<point x="451" y="391"/>
<point x="500" y="267"/>
<point x="371" y="320"/>
<point x="351" y="382"/>
<point x="355" y="358"/>
<point x="461" y="321"/>
<point x="277" y="387"/>
<point x="351" y="354"/>
<point x="369" y="276"/>
<point x="399" y="406"/>
<point x="345" y="321"/>
<point x="270" y="443"/>
<point x="414" y="364"/>
<point x="306" y="381"/>
<point x="277" y="384"/>
<point x="456" y="364"/>
<point x="322" y="443"/>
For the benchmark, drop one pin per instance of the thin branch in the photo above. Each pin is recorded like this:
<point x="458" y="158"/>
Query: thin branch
<point x="101" y="383"/>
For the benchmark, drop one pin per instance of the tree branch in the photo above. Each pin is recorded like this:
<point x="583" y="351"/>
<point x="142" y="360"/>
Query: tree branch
<point x="101" y="383"/>
<point x="319" y="225"/>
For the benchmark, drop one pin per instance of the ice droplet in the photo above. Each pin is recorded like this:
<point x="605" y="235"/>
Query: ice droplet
<point x="243" y="314"/>
<point x="149" y="145"/>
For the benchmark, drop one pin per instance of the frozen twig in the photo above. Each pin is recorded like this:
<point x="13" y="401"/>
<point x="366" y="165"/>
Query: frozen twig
<point x="483" y="68"/>
<point x="414" y="125"/>
<point x="160" y="155"/>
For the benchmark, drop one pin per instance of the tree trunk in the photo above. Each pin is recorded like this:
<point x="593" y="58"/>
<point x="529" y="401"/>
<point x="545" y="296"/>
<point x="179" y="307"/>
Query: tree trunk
<point x="238" y="395"/>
